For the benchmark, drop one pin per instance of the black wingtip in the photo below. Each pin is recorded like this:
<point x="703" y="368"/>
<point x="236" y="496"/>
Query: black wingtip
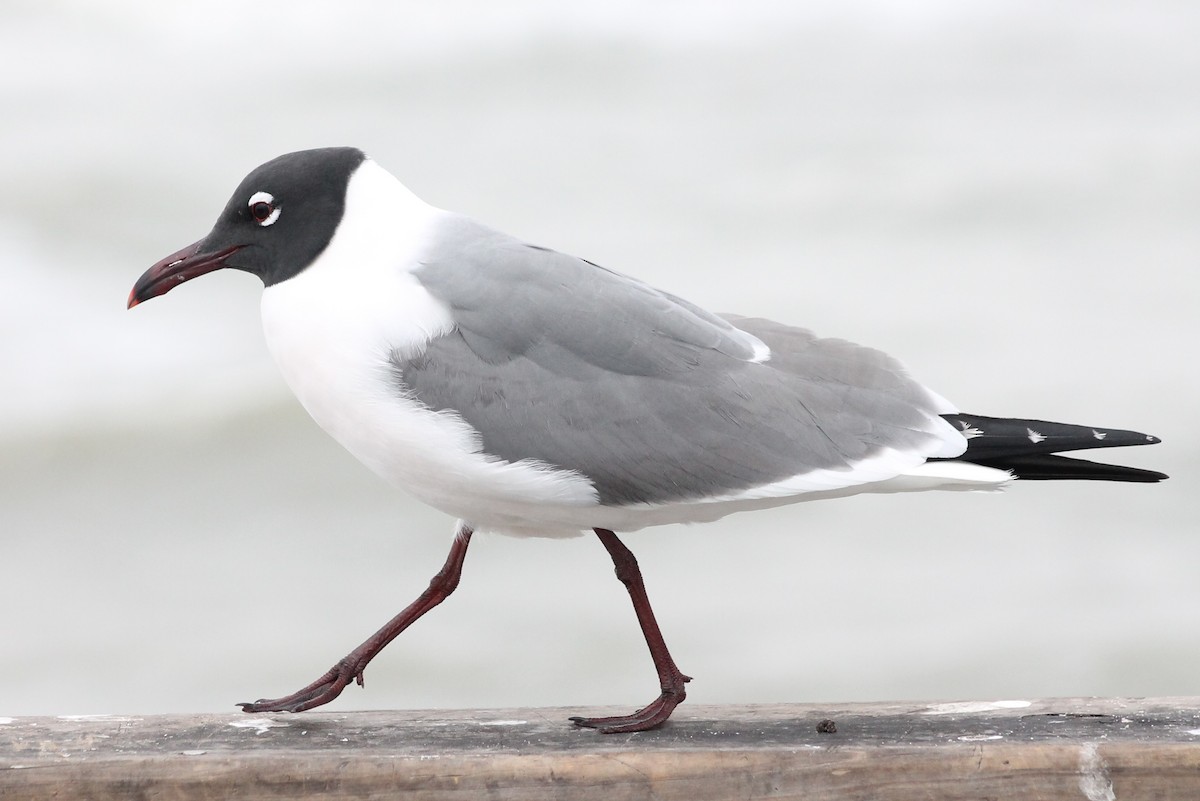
<point x="1030" y="448"/>
<point x="996" y="437"/>
<point x="1052" y="467"/>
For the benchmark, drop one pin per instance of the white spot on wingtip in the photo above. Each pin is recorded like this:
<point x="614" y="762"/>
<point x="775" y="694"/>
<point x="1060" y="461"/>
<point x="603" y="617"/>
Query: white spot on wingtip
<point x="969" y="431"/>
<point x="1094" y="782"/>
<point x="1099" y="434"/>
<point x="1034" y="436"/>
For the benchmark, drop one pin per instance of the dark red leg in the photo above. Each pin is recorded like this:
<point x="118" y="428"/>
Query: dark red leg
<point x="351" y="667"/>
<point x="670" y="679"/>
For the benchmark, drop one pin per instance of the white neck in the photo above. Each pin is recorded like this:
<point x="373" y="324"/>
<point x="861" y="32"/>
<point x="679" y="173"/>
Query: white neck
<point x="332" y="326"/>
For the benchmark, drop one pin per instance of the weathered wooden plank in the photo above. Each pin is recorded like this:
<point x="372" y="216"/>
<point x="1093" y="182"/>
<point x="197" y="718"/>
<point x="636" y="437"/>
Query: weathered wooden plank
<point x="1088" y="749"/>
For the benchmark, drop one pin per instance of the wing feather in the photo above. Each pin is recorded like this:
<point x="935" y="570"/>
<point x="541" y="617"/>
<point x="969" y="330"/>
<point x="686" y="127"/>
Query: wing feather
<point x="650" y="397"/>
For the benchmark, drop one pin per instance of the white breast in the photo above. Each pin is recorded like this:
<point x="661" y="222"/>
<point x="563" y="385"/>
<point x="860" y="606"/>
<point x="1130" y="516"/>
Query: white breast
<point x="332" y="329"/>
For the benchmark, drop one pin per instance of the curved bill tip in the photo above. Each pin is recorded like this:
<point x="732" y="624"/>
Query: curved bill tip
<point x="170" y="272"/>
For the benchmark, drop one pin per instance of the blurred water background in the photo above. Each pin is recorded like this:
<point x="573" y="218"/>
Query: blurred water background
<point x="1004" y="194"/>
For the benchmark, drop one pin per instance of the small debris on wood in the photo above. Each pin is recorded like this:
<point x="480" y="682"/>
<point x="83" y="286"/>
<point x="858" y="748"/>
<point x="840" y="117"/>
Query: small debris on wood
<point x="827" y="726"/>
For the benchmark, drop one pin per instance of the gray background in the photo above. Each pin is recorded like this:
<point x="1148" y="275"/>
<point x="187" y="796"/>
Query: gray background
<point x="1003" y="194"/>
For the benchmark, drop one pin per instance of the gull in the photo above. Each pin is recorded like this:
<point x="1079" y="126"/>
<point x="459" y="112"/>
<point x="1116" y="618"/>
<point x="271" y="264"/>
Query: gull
<point x="532" y="393"/>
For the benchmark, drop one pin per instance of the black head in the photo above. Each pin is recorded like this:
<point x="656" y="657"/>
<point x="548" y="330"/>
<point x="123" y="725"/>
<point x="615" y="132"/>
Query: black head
<point x="280" y="218"/>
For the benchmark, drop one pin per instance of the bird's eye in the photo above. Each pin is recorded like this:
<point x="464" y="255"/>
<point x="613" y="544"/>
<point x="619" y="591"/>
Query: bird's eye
<point x="263" y="208"/>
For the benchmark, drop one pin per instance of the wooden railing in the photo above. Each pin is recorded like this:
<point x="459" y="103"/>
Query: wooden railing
<point x="1090" y="749"/>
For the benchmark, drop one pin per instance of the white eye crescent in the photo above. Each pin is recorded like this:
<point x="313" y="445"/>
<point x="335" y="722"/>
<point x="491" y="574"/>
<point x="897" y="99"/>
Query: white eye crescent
<point x="263" y="208"/>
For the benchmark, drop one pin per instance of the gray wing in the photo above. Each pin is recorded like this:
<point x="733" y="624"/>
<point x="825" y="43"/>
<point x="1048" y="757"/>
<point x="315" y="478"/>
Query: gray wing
<point x="650" y="397"/>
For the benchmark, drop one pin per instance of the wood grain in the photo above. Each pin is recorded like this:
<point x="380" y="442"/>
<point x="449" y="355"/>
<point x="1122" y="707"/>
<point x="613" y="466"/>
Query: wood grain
<point x="1091" y="749"/>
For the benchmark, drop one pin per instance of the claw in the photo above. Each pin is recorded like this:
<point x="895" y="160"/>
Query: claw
<point x="648" y="717"/>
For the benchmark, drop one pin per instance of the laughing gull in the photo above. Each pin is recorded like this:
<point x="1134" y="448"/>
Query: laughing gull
<point x="533" y="393"/>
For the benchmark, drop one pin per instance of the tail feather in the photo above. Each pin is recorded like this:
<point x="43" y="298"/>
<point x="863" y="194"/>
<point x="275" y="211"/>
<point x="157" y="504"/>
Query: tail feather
<point x="1029" y="448"/>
